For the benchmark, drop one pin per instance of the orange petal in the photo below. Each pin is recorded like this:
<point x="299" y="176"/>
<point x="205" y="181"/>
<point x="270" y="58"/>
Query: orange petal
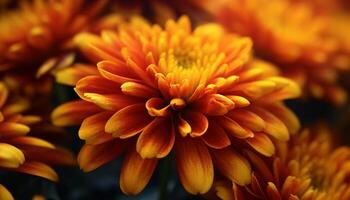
<point x="73" y="113"/>
<point x="273" y="126"/>
<point x="157" y="139"/>
<point x="215" y="104"/>
<point x="5" y="194"/>
<point x="38" y="169"/>
<point x="262" y="143"/>
<point x="248" y="119"/>
<point x="112" y="102"/>
<point x="71" y="75"/>
<point x="30" y="141"/>
<point x="136" y="173"/>
<point x="10" y="156"/>
<point x="128" y="121"/>
<point x="232" y="165"/>
<point x="194" y="165"/>
<point x="11" y="129"/>
<point x="138" y="90"/>
<point x="216" y="137"/>
<point x="96" y="84"/>
<point x="157" y="107"/>
<point x="3" y="94"/>
<point x="116" y="71"/>
<point x="57" y="156"/>
<point x="93" y="125"/>
<point x="286" y="116"/>
<point x="233" y="128"/>
<point x="198" y="122"/>
<point x="93" y="156"/>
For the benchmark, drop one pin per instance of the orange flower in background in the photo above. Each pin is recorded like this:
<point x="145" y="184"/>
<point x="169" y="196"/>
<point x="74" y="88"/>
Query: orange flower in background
<point x="308" y="167"/>
<point x="193" y="92"/>
<point x="20" y="152"/>
<point x="291" y="35"/>
<point x="38" y="34"/>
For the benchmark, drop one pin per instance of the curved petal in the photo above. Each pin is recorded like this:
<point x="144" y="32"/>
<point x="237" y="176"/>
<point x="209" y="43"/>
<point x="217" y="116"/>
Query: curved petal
<point x="57" y="156"/>
<point x="93" y="156"/>
<point x="138" y="90"/>
<point x="10" y="156"/>
<point x="286" y="116"/>
<point x="12" y="129"/>
<point x="94" y="125"/>
<point x="273" y="126"/>
<point x="23" y="141"/>
<point x="198" y="122"/>
<point x="215" y="105"/>
<point x="194" y="165"/>
<point x="38" y="169"/>
<point x="216" y="137"/>
<point x="262" y="144"/>
<point x="232" y="165"/>
<point x="5" y="194"/>
<point x="136" y="173"/>
<point x="71" y="75"/>
<point x="73" y="113"/>
<point x="96" y="84"/>
<point x="157" y="107"/>
<point x="128" y="121"/>
<point x="157" y="139"/>
<point x="116" y="71"/>
<point x="112" y="102"/>
<point x="233" y="128"/>
<point x="247" y="119"/>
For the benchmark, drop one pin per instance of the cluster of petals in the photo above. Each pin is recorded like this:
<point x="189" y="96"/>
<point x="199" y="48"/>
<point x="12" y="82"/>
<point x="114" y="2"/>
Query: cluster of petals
<point x="20" y="152"/>
<point x="307" y="167"/>
<point x="291" y="34"/>
<point x="198" y="93"/>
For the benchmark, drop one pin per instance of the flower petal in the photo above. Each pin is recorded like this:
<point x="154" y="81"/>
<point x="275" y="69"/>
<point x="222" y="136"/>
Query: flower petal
<point x="128" y="121"/>
<point x="216" y="137"/>
<point x="93" y="156"/>
<point x="157" y="139"/>
<point x="247" y="119"/>
<point x="112" y="102"/>
<point x="73" y="113"/>
<point x="262" y="143"/>
<point x="286" y="116"/>
<point x="10" y="156"/>
<point x="93" y="125"/>
<point x="38" y="169"/>
<point x="194" y="165"/>
<point x="198" y="122"/>
<point x="71" y="75"/>
<point x="232" y="165"/>
<point x="3" y="94"/>
<point x="274" y="126"/>
<point x="5" y="194"/>
<point x="116" y="71"/>
<point x="136" y="173"/>
<point x="138" y="90"/>
<point x="233" y="128"/>
<point x="11" y="129"/>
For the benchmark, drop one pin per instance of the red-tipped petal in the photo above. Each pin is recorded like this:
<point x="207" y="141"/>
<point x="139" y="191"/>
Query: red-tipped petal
<point x="216" y="137"/>
<point x="73" y="113"/>
<point x="157" y="139"/>
<point x="38" y="169"/>
<point x="136" y="173"/>
<point x="93" y="156"/>
<point x="93" y="125"/>
<point x="198" y="122"/>
<point x="194" y="165"/>
<point x="128" y="121"/>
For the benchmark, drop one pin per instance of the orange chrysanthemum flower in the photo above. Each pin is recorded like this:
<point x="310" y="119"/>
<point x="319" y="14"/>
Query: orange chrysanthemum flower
<point x="308" y="167"/>
<point x="32" y="34"/>
<point x="20" y="152"/>
<point x="292" y="36"/>
<point x="194" y="92"/>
